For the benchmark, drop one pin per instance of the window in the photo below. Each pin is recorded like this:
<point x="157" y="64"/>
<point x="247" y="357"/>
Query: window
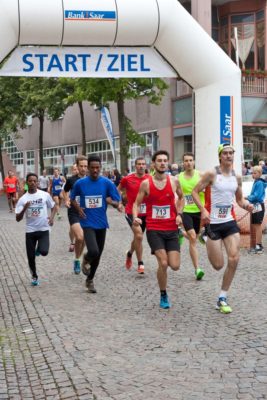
<point x="103" y="150"/>
<point x="30" y="162"/>
<point x="61" y="157"/>
<point x="15" y="155"/>
<point x="151" y="145"/>
<point x="251" y="38"/>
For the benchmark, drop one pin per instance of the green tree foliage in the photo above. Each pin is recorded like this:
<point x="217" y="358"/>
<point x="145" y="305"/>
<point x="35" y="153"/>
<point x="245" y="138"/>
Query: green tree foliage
<point x="43" y="97"/>
<point x="11" y="114"/>
<point x="104" y="91"/>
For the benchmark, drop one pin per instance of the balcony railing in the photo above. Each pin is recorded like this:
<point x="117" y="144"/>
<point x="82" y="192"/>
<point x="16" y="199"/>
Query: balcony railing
<point x="254" y="84"/>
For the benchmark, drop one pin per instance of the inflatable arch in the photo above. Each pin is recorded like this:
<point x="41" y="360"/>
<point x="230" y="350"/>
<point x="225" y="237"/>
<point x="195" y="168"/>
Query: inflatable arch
<point x="128" y="38"/>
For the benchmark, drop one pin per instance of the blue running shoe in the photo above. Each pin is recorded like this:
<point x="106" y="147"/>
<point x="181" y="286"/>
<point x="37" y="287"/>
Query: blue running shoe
<point x="35" y="282"/>
<point x="164" y="301"/>
<point x="77" y="267"/>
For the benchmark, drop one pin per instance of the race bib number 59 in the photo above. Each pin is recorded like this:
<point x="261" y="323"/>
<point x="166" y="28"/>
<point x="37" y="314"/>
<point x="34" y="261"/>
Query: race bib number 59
<point x="161" y="212"/>
<point x="93" y="201"/>
<point x="223" y="212"/>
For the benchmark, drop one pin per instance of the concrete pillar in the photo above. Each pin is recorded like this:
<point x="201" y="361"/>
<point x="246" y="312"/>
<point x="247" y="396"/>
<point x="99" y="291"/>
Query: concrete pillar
<point x="202" y="12"/>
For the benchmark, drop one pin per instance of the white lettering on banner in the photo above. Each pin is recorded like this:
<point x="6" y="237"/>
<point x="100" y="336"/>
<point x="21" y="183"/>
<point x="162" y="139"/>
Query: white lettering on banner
<point x="228" y="125"/>
<point x="88" y="62"/>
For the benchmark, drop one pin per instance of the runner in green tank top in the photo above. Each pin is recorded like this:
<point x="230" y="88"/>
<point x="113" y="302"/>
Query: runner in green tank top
<point x="191" y="214"/>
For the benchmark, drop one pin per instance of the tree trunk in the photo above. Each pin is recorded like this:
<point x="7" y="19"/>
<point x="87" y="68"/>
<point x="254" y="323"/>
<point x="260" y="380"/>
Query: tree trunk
<point x="80" y="103"/>
<point x="1" y="162"/>
<point x="123" y="138"/>
<point x="41" y="142"/>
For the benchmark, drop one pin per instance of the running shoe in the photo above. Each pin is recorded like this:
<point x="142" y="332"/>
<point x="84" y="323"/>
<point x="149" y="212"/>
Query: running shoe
<point x="199" y="273"/>
<point x="164" y="302"/>
<point x="203" y="237"/>
<point x="76" y="267"/>
<point x="180" y="236"/>
<point x="141" y="269"/>
<point x="252" y="250"/>
<point x="71" y="248"/>
<point x="89" y="283"/>
<point x="85" y="266"/>
<point x="259" y="249"/>
<point x="128" y="262"/>
<point x="35" y="282"/>
<point x="223" y="306"/>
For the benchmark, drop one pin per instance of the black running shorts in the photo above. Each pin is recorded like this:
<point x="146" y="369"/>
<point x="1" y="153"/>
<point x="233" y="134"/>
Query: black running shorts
<point x="191" y="221"/>
<point x="163" y="240"/>
<point x="221" y="231"/>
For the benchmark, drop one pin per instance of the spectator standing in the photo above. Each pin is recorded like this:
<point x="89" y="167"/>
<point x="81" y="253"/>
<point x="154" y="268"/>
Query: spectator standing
<point x="256" y="198"/>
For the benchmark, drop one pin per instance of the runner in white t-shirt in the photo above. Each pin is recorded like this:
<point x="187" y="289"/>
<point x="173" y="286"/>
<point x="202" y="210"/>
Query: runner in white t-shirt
<point x="34" y="204"/>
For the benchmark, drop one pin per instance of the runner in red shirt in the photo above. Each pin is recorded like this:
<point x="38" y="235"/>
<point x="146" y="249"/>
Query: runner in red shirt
<point x="11" y="184"/>
<point x="162" y="219"/>
<point x="129" y="187"/>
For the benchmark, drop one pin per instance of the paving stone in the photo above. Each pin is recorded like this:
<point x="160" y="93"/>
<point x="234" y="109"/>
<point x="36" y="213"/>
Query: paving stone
<point x="118" y="344"/>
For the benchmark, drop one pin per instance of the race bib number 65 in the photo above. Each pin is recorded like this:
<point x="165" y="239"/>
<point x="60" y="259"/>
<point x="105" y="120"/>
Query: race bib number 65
<point x="161" y="212"/>
<point x="33" y="212"/>
<point x="93" y="201"/>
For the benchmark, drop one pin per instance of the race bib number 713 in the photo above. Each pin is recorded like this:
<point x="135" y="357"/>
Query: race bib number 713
<point x="161" y="212"/>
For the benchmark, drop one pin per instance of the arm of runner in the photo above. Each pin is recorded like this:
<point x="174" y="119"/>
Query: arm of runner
<point x="52" y="216"/>
<point x="179" y="204"/>
<point x="245" y="204"/>
<point x="76" y="192"/>
<point x="20" y="215"/>
<point x="115" y="196"/>
<point x="122" y="192"/>
<point x="206" y="179"/>
<point x="143" y="191"/>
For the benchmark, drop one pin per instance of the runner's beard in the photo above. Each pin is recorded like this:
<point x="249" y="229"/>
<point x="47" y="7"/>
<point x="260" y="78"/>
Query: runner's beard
<point x="159" y="171"/>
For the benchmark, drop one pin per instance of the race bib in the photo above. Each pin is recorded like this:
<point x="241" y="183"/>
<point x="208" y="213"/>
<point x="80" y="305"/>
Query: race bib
<point x="58" y="187"/>
<point x="11" y="185"/>
<point x="143" y="208"/>
<point x="33" y="212"/>
<point x="161" y="212"/>
<point x="223" y="212"/>
<point x="257" y="208"/>
<point x="189" y="199"/>
<point x="93" y="201"/>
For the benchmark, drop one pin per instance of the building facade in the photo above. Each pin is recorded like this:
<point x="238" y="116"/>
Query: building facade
<point x="239" y="27"/>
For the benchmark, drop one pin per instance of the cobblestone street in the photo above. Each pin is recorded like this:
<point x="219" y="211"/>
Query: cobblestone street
<point x="60" y="342"/>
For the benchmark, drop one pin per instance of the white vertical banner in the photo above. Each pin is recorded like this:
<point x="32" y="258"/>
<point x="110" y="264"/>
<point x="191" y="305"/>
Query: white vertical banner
<point x="107" y="125"/>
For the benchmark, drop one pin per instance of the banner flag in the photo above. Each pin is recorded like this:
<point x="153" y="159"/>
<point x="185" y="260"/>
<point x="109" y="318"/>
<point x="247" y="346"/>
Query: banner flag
<point x="107" y="125"/>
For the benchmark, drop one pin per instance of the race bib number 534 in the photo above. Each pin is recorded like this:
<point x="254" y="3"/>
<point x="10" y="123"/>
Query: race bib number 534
<point x="93" y="201"/>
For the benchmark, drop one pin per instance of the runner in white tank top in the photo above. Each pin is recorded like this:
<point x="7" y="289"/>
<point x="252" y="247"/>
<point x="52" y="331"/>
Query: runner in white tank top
<point x="222" y="187"/>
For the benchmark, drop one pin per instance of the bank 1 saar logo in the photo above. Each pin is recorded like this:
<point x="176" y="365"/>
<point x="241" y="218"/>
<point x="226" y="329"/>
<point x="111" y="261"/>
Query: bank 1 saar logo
<point x="226" y="119"/>
<point x="83" y="15"/>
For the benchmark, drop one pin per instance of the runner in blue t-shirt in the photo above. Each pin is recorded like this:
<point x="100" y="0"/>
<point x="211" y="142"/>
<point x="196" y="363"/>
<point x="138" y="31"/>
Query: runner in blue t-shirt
<point x="93" y="192"/>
